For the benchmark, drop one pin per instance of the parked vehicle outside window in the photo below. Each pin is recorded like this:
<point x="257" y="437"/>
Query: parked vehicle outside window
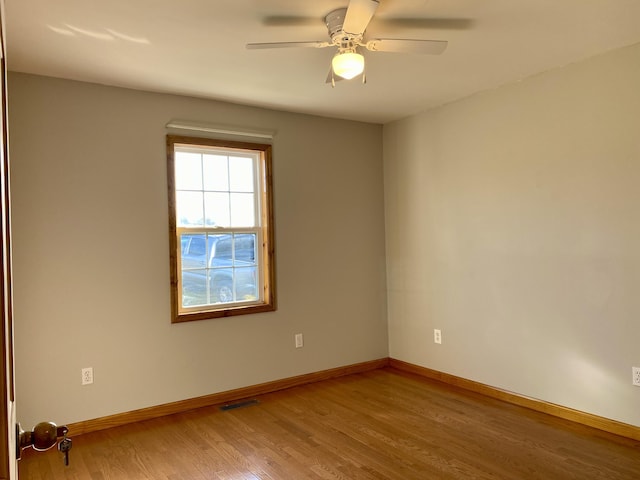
<point x="218" y="268"/>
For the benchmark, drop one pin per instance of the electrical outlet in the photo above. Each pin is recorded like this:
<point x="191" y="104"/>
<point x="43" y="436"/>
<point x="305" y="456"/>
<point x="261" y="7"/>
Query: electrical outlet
<point x="299" y="340"/>
<point x="636" y="376"/>
<point x="87" y="376"/>
<point x="437" y="336"/>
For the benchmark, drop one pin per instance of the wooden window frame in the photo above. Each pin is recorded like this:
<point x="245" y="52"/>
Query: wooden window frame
<point x="266" y="250"/>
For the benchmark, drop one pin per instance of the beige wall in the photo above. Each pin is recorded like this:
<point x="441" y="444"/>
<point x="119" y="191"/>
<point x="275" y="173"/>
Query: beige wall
<point x="513" y="225"/>
<point x="91" y="251"/>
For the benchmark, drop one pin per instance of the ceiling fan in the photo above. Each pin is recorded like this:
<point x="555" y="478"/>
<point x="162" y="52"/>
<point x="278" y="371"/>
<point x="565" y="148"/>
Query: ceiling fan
<point x="347" y="27"/>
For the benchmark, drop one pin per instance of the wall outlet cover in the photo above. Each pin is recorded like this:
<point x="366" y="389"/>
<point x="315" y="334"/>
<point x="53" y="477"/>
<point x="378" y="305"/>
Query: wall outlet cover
<point x="87" y="376"/>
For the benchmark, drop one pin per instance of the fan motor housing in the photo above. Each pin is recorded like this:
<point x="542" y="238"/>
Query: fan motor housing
<point x="344" y="41"/>
<point x="334" y="21"/>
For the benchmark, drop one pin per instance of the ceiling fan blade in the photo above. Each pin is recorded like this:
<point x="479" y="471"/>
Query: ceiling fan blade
<point x="428" y="47"/>
<point x="425" y="23"/>
<point x="332" y="77"/>
<point x="259" y="46"/>
<point x="359" y="14"/>
<point x="290" y="21"/>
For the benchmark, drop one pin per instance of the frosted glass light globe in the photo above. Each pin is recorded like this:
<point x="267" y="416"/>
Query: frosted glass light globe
<point x="348" y="65"/>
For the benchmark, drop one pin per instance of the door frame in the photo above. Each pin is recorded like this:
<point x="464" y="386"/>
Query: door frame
<point x="8" y="468"/>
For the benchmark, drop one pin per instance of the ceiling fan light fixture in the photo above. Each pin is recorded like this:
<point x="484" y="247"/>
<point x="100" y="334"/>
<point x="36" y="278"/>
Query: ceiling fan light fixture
<point x="347" y="64"/>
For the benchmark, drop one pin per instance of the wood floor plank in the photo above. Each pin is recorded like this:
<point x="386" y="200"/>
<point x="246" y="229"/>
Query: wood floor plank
<point x="382" y="424"/>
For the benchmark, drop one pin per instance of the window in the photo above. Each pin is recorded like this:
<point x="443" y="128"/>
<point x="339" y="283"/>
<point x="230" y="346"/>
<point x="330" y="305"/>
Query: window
<point x="221" y="228"/>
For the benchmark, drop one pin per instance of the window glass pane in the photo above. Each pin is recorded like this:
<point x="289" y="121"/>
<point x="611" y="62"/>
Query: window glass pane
<point x="245" y="250"/>
<point x="198" y="247"/>
<point x="184" y="243"/>
<point x="188" y="171"/>
<point x="194" y="255"/>
<point x="245" y="283"/>
<point x="222" y="290"/>
<point x="194" y="288"/>
<point x="242" y="210"/>
<point x="223" y="251"/>
<point x="240" y="174"/>
<point x="189" y="209"/>
<point x="216" y="173"/>
<point x="216" y="207"/>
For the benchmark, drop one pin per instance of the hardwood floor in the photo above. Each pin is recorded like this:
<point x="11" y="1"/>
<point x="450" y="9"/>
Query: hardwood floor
<point x="382" y="424"/>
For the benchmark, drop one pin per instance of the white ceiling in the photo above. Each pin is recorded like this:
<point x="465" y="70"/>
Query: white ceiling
<point x="197" y="48"/>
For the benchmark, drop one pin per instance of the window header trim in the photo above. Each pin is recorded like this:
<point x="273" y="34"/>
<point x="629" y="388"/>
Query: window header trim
<point x="230" y="130"/>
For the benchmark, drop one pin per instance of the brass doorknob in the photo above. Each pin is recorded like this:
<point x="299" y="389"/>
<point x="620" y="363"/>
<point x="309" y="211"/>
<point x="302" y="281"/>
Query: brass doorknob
<point x="43" y="436"/>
